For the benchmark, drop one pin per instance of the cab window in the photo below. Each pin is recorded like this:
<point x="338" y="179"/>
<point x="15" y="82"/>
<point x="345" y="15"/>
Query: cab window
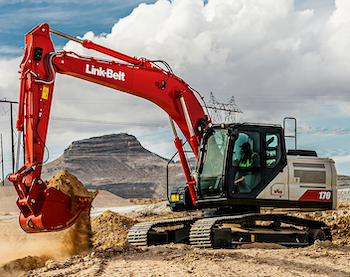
<point x="211" y="176"/>
<point x="246" y="162"/>
<point x="214" y="158"/>
<point x="273" y="150"/>
<point x="246" y="151"/>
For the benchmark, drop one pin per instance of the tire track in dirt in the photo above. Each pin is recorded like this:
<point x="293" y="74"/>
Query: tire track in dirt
<point x="318" y="261"/>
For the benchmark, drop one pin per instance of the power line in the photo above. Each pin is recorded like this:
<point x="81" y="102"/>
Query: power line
<point x="109" y="122"/>
<point x="217" y="109"/>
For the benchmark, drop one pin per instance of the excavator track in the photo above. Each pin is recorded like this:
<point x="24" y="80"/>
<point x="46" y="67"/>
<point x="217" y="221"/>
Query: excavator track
<point x="141" y="233"/>
<point x="203" y="232"/>
<point x="212" y="232"/>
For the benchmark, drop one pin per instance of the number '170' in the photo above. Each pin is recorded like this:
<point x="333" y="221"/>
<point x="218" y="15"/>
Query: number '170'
<point x="325" y="195"/>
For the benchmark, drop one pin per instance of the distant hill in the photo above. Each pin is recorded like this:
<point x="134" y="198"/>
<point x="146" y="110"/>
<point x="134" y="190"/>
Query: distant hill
<point x="343" y="181"/>
<point x="116" y="163"/>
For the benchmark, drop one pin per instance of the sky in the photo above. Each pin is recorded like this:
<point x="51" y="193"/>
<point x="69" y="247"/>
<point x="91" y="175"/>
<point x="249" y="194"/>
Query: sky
<point x="277" y="58"/>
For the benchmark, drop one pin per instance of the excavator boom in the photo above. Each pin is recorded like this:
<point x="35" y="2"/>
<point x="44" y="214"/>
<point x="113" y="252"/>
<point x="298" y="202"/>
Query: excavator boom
<point x="48" y="209"/>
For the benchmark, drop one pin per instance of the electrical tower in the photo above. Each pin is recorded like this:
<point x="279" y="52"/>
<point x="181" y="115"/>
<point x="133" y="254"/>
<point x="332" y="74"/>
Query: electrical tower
<point x="223" y="113"/>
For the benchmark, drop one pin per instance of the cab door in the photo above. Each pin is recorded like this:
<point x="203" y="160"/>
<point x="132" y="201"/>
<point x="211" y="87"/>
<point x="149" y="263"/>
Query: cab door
<point x="266" y="154"/>
<point x="275" y="167"/>
<point x="244" y="165"/>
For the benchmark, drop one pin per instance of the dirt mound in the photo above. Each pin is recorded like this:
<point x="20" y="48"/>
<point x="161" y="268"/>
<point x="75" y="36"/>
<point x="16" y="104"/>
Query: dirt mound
<point x="16" y="267"/>
<point x="110" y="229"/>
<point x="341" y="230"/>
<point x="70" y="185"/>
<point x="338" y="221"/>
<point x="145" y="201"/>
<point x="261" y="245"/>
<point x="328" y="245"/>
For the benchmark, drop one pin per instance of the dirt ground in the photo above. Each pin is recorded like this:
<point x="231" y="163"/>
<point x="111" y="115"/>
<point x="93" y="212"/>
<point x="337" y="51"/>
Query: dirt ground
<point x="111" y="255"/>
<point x="102" y="250"/>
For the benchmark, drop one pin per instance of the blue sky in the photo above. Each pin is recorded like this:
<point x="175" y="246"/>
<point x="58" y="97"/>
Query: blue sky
<point x="284" y="58"/>
<point x="73" y="17"/>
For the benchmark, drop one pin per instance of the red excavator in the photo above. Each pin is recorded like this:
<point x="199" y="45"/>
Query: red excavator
<point x="243" y="170"/>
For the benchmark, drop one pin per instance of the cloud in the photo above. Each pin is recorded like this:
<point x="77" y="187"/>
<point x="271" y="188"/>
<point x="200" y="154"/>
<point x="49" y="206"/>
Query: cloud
<point x="257" y="51"/>
<point x="341" y="159"/>
<point x="8" y="50"/>
<point x="9" y="77"/>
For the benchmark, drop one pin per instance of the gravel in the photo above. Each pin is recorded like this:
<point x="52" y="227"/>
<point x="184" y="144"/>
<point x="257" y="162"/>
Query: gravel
<point x="344" y="195"/>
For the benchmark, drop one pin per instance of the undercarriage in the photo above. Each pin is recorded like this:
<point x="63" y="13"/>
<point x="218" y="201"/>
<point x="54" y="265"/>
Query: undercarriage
<point x="231" y="231"/>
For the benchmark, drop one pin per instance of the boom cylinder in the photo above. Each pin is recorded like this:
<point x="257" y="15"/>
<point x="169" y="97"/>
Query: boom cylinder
<point x="193" y="138"/>
<point x="90" y="45"/>
<point x="184" y="162"/>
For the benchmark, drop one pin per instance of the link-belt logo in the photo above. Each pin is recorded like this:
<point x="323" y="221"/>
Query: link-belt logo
<point x="108" y="73"/>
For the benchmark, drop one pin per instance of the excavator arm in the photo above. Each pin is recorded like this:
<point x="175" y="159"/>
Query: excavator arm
<point x="48" y="209"/>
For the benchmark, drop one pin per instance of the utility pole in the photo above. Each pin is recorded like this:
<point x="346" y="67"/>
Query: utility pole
<point x="2" y="162"/>
<point x="13" y="144"/>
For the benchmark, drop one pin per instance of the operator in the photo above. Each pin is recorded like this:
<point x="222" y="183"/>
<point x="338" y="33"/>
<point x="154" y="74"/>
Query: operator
<point x="249" y="158"/>
<point x="245" y="179"/>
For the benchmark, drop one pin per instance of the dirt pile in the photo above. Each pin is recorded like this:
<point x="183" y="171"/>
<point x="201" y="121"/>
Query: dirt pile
<point x="338" y="221"/>
<point x="110" y="229"/>
<point x="17" y="266"/>
<point x="341" y="230"/>
<point x="145" y="201"/>
<point x="67" y="183"/>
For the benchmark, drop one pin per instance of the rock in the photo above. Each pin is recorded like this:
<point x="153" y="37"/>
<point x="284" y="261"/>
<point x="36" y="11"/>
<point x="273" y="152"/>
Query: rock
<point x="116" y="163"/>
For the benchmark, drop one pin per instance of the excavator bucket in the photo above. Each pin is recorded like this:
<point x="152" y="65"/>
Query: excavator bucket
<point x="53" y="206"/>
<point x="59" y="211"/>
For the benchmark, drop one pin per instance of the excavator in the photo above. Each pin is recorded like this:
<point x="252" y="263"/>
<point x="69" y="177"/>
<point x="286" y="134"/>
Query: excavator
<point x="243" y="172"/>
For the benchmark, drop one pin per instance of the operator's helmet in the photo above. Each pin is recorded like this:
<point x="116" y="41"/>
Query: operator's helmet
<point x="245" y="147"/>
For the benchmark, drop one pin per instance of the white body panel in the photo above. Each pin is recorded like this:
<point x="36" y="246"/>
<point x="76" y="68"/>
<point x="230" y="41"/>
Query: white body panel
<point x="304" y="179"/>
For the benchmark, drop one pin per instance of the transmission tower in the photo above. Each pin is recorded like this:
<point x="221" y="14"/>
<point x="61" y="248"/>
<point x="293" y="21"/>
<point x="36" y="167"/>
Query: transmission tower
<point x="223" y="113"/>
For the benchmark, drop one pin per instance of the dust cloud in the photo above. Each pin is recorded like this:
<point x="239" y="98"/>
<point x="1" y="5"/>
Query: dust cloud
<point x="78" y="238"/>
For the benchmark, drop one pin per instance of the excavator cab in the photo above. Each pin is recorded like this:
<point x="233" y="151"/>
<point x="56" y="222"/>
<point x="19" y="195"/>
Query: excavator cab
<point x="243" y="167"/>
<point x="236" y="163"/>
<point x="237" y="159"/>
<point x="246" y="167"/>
